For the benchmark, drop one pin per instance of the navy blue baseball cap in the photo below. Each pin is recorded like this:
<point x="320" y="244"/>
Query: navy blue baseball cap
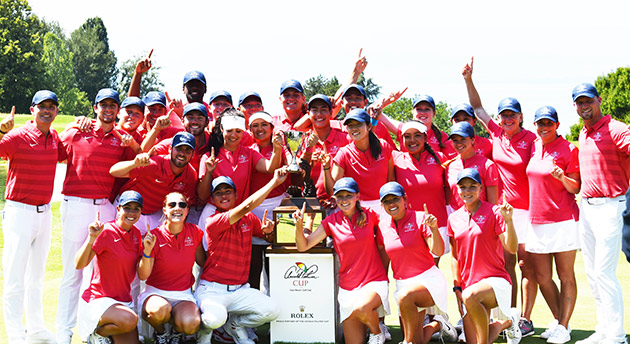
<point x="391" y="188"/>
<point x="346" y="184"/>
<point x="183" y="138"/>
<point x="359" y="115"/>
<point x="321" y="97"/>
<point x="471" y="173"/>
<point x="128" y="197"/>
<point x="221" y="93"/>
<point x="195" y="107"/>
<point x="133" y="101"/>
<point x="222" y="180"/>
<point x="463" y="129"/>
<point x="107" y="93"/>
<point x="246" y="95"/>
<point x="547" y="112"/>
<point x="155" y="97"/>
<point x="509" y="104"/>
<point x="42" y="95"/>
<point x="291" y="83"/>
<point x="424" y="98"/>
<point x="465" y="108"/>
<point x="194" y="75"/>
<point x="586" y="90"/>
<point x="356" y="87"/>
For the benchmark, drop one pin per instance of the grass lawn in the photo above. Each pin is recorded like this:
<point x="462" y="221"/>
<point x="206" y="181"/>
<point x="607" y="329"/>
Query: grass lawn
<point x="582" y="322"/>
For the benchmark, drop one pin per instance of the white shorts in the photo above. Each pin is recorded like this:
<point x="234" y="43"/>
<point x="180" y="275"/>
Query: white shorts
<point x="553" y="237"/>
<point x="172" y="296"/>
<point x="502" y="292"/>
<point x="521" y="224"/>
<point x="89" y="314"/>
<point x="349" y="299"/>
<point x="434" y="281"/>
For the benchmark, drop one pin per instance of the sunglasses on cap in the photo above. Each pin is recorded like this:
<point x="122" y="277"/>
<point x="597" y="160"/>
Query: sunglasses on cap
<point x="172" y="205"/>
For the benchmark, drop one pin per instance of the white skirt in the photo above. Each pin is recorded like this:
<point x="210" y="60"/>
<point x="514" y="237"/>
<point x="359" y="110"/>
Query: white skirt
<point x="502" y="292"/>
<point x="434" y="281"/>
<point x="89" y="314"/>
<point x="349" y="299"/>
<point x="521" y="221"/>
<point x="553" y="237"/>
<point x="172" y="296"/>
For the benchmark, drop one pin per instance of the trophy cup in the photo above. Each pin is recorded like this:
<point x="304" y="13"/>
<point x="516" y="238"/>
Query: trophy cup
<point x="293" y="138"/>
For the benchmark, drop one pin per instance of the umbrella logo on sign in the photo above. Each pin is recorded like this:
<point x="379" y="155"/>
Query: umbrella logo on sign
<point x="301" y="271"/>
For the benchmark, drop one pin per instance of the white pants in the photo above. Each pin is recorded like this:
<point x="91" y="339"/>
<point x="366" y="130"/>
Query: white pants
<point x="600" y="235"/>
<point x="26" y="235"/>
<point x="247" y="306"/>
<point x="208" y="210"/>
<point x="76" y="215"/>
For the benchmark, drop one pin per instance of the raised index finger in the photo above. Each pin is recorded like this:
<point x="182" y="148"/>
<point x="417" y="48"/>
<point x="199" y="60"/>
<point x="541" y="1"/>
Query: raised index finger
<point x="265" y="215"/>
<point x="98" y="216"/>
<point x="472" y="59"/>
<point x="425" y="208"/>
<point x="149" y="227"/>
<point x="150" y="53"/>
<point x="12" y="112"/>
<point x="168" y="99"/>
<point x="360" y="51"/>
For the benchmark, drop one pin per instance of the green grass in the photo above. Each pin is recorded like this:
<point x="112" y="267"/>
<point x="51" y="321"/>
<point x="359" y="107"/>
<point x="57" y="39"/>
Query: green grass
<point x="582" y="322"/>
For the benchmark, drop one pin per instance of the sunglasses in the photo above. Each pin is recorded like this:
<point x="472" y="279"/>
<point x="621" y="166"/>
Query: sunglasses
<point x="172" y="205"/>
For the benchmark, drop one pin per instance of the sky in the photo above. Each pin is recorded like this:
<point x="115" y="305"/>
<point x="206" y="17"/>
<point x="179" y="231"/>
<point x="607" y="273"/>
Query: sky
<point x="535" y="51"/>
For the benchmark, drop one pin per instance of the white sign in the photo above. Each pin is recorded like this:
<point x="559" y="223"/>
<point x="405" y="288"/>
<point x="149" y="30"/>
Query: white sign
<point x="304" y="286"/>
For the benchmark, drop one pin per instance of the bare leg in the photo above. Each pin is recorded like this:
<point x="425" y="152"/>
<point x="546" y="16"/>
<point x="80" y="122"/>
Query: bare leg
<point x="510" y="267"/>
<point x="408" y="302"/>
<point x="544" y="274"/>
<point x="568" y="286"/>
<point x="529" y="285"/>
<point x="479" y="299"/>
<point x="186" y="317"/>
<point x="157" y="312"/>
<point x="119" y="322"/>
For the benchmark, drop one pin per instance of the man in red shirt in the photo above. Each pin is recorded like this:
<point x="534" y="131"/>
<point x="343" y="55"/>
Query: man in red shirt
<point x="33" y="151"/>
<point x="293" y="105"/>
<point x="249" y="103"/>
<point x="86" y="190"/>
<point x="223" y="289"/>
<point x="155" y="177"/>
<point x="605" y="169"/>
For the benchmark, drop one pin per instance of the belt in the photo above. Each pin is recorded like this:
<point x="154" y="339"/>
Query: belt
<point x="38" y="208"/>
<point x="221" y="286"/>
<point x="94" y="201"/>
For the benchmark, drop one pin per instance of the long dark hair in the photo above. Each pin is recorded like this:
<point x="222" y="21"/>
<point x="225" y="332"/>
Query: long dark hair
<point x="438" y="135"/>
<point x="216" y="136"/>
<point x="375" y="144"/>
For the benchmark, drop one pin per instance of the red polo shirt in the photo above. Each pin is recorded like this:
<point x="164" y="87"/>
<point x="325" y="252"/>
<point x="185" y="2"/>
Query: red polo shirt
<point x="174" y="257"/>
<point x="229" y="248"/>
<point x="605" y="158"/>
<point x="433" y="141"/>
<point x="157" y="180"/>
<point x="90" y="156"/>
<point x="487" y="170"/>
<point x="405" y="244"/>
<point x="423" y="181"/>
<point x="163" y="146"/>
<point x="33" y="160"/>
<point x="479" y="249"/>
<point x="259" y="179"/>
<point x="512" y="156"/>
<point x="117" y="256"/>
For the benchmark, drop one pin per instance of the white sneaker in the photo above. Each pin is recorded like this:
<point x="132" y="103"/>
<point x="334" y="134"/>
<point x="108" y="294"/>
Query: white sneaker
<point x="447" y="331"/>
<point x="204" y="336"/>
<point x="44" y="336"/>
<point x="513" y="332"/>
<point x="595" y="338"/>
<point x="376" y="338"/>
<point x="559" y="336"/>
<point x="460" y="325"/>
<point x="550" y="328"/>
<point x="385" y="331"/>
<point x="462" y="337"/>
<point x="238" y="333"/>
<point x="96" y="338"/>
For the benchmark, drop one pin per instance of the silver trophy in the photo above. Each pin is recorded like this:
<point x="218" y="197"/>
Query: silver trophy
<point x="293" y="138"/>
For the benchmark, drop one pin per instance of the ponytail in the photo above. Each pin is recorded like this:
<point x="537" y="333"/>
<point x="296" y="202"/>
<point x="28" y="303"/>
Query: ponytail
<point x="375" y="145"/>
<point x="216" y="137"/>
<point x="362" y="219"/>
<point x="428" y="148"/>
<point x="438" y="135"/>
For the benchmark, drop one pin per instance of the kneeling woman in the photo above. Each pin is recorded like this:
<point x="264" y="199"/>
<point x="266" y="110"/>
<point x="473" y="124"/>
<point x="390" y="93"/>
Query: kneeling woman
<point x="409" y="237"/>
<point x="105" y="307"/>
<point x="172" y="249"/>
<point x="479" y="232"/>
<point x="362" y="277"/>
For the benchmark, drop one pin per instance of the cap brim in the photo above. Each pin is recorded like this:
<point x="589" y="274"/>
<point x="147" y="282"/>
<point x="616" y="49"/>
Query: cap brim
<point x="546" y="117"/>
<point x="584" y="94"/>
<point x="345" y="189"/>
<point x="511" y="108"/>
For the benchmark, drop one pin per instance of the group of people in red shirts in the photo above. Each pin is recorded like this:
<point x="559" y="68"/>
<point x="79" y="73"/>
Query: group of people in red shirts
<point x="156" y="186"/>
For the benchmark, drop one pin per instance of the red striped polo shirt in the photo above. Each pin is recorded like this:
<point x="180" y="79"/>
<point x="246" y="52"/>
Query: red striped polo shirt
<point x="229" y="248"/>
<point x="90" y="156"/>
<point x="157" y="180"/>
<point x="162" y="147"/>
<point x="605" y="158"/>
<point x="32" y="158"/>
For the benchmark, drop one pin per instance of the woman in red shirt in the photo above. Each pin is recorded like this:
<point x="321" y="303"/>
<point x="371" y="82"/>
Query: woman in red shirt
<point x="363" y="292"/>
<point x="168" y="273"/>
<point x="479" y="232"/>
<point x="105" y="308"/>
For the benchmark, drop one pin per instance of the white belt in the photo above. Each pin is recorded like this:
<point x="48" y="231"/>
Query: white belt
<point x="94" y="201"/>
<point x="221" y="286"/>
<point x="38" y="208"/>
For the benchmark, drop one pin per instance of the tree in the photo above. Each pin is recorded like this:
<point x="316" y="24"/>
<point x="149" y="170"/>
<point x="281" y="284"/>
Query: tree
<point x="372" y="90"/>
<point x="94" y="63"/>
<point x="59" y="77"/>
<point x="21" y="34"/>
<point x="321" y="85"/>
<point x="150" y="80"/>
<point x="614" y="88"/>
